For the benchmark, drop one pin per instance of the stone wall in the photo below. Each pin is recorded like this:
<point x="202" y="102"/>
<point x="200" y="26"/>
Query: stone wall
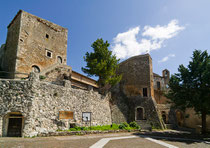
<point x="11" y="47"/>
<point x="123" y="109"/>
<point x="136" y="75"/>
<point x="127" y="96"/>
<point x="40" y="103"/>
<point x="56" y="74"/>
<point x="193" y="120"/>
<point x="33" y="41"/>
<point x="37" y="37"/>
<point x="15" y="96"/>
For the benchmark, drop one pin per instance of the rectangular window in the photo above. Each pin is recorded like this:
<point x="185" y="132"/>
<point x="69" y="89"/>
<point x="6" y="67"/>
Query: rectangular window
<point x="158" y="85"/>
<point x="48" y="53"/>
<point x="144" y="92"/>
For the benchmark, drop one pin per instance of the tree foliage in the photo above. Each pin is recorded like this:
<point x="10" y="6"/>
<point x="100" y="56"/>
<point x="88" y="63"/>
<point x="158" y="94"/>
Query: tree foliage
<point x="190" y="88"/>
<point x="102" y="63"/>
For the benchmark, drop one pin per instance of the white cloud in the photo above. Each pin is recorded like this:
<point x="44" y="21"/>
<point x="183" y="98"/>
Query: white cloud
<point x="126" y="44"/>
<point x="163" y="32"/>
<point x="166" y="58"/>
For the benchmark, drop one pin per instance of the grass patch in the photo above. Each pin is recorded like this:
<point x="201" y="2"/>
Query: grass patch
<point x="113" y="126"/>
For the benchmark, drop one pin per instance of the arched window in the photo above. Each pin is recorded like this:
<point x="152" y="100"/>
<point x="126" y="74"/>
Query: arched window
<point x="59" y="60"/>
<point x="35" y="69"/>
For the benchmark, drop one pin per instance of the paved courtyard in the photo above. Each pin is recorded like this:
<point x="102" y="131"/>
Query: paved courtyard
<point x="122" y="140"/>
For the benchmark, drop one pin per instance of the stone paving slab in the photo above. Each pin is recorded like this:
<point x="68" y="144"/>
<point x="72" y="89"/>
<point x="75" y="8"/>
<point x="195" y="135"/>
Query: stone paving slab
<point x="137" y="141"/>
<point x="132" y="143"/>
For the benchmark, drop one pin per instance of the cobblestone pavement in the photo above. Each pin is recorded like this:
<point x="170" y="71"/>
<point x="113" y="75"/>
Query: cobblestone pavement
<point x="119" y="140"/>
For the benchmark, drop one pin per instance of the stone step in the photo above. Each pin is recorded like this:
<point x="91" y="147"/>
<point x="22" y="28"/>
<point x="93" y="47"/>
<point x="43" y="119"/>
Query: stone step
<point x="169" y="126"/>
<point x="144" y="125"/>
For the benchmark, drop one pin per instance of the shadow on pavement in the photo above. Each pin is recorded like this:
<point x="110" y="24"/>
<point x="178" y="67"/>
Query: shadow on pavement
<point x="176" y="136"/>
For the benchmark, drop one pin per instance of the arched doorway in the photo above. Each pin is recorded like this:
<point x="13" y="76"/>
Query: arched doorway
<point x="14" y="124"/>
<point x="139" y="113"/>
<point x="164" y="116"/>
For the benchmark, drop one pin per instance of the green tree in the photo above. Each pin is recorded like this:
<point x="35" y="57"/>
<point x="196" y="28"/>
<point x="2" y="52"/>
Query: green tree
<point x="190" y="88"/>
<point x="102" y="63"/>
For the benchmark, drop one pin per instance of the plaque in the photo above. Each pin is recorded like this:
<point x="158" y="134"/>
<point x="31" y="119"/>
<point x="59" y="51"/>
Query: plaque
<point x="86" y="116"/>
<point x="66" y="115"/>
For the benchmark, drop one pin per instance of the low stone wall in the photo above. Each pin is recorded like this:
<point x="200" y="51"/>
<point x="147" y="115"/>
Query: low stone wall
<point x="40" y="103"/>
<point x="69" y="133"/>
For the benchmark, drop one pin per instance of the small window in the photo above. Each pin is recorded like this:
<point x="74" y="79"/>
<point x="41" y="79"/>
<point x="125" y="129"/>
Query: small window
<point x="158" y="85"/>
<point x="166" y="73"/>
<point x="59" y="60"/>
<point x="48" y="53"/>
<point x="47" y="36"/>
<point x="144" y="92"/>
<point x="35" y="69"/>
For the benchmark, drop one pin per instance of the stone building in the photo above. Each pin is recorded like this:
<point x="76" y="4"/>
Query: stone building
<point x="39" y="93"/>
<point x="134" y="98"/>
<point x="45" y="42"/>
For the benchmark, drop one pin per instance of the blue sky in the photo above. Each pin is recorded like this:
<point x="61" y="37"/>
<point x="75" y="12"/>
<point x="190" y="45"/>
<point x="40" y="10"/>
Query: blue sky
<point x="168" y="30"/>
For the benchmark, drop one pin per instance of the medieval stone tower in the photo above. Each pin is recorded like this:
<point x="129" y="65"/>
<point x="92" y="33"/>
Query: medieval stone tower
<point x="33" y="44"/>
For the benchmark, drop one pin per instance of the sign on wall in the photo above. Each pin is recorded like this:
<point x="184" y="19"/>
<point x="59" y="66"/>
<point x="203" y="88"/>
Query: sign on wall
<point x="66" y="115"/>
<point x="86" y="116"/>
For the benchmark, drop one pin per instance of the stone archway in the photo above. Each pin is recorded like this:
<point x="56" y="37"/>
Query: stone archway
<point x="13" y="124"/>
<point x="164" y="117"/>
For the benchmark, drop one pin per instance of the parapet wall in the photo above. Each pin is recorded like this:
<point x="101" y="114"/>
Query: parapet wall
<point x="40" y="103"/>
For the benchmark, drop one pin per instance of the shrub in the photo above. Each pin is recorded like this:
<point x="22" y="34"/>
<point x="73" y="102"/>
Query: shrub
<point x="124" y="125"/>
<point x="114" y="126"/>
<point x="134" y="125"/>
<point x="41" y="77"/>
<point x="121" y="126"/>
<point x="84" y="128"/>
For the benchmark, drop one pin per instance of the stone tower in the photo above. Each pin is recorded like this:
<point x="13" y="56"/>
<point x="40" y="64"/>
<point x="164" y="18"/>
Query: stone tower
<point x="33" y="44"/>
<point x="166" y="76"/>
<point x="137" y="76"/>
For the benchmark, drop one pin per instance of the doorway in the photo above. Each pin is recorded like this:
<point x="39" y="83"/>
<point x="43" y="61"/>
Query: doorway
<point x="15" y="125"/>
<point x="164" y="117"/>
<point x="139" y="113"/>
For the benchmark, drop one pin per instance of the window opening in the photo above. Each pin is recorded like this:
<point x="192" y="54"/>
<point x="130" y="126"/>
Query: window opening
<point x="59" y="59"/>
<point x="48" y="53"/>
<point x="35" y="69"/>
<point x="144" y="92"/>
<point x="158" y="85"/>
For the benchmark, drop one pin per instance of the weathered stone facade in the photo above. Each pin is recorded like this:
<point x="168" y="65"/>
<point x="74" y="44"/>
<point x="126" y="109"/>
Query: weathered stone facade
<point x="40" y="103"/>
<point x="44" y="41"/>
<point x="135" y="93"/>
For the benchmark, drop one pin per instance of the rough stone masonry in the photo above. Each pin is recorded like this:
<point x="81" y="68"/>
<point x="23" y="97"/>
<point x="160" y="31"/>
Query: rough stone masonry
<point x="40" y="102"/>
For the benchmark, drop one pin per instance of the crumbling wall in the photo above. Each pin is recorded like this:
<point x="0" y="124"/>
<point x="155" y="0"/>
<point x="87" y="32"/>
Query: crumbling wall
<point x="15" y="96"/>
<point x="40" y="103"/>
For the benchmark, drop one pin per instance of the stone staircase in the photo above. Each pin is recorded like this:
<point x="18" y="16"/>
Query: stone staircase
<point x="144" y="125"/>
